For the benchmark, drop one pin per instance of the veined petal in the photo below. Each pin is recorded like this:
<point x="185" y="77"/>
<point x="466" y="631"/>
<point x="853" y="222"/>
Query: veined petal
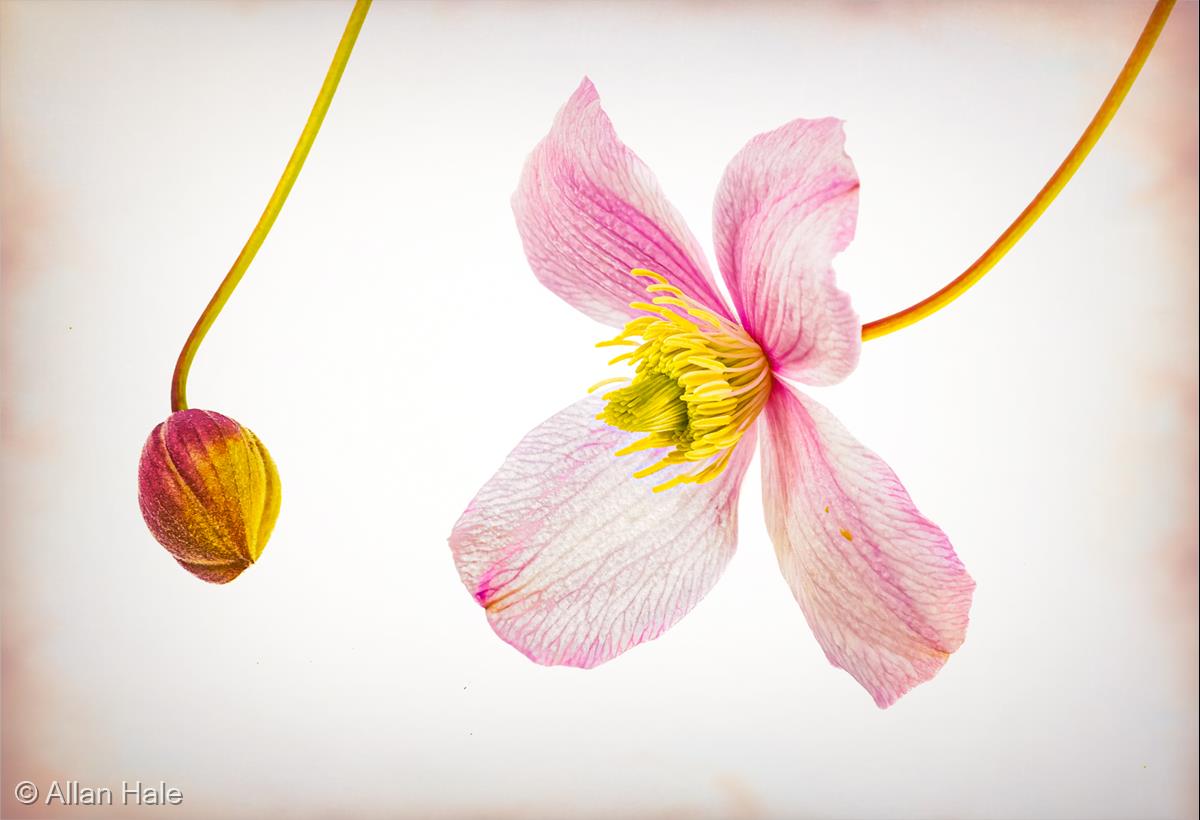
<point x="589" y="211"/>
<point x="878" y="582"/>
<point x="574" y="559"/>
<point x="786" y="205"/>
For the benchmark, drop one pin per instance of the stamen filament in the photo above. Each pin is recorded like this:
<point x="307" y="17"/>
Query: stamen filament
<point x="274" y="206"/>
<point x="699" y="382"/>
<point x="1091" y="135"/>
<point x="613" y="380"/>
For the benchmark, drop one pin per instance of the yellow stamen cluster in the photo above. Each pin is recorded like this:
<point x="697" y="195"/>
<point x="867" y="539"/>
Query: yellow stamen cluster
<point x="700" y="382"/>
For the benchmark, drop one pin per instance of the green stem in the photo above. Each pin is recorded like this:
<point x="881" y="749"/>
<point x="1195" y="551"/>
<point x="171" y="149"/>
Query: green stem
<point x="1053" y="187"/>
<point x="274" y="205"/>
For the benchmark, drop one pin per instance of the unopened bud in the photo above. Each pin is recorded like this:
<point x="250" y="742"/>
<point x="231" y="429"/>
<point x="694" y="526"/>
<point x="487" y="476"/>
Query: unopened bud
<point x="209" y="493"/>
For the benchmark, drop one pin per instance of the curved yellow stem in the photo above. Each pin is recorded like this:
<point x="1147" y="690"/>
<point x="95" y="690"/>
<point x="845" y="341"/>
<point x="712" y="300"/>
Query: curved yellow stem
<point x="1091" y="135"/>
<point x="274" y="205"/>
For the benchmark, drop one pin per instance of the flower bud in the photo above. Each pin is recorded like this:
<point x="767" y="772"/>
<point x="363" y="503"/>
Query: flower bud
<point x="209" y="493"/>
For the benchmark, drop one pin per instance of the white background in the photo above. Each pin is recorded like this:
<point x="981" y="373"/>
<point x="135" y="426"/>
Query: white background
<point x="390" y="346"/>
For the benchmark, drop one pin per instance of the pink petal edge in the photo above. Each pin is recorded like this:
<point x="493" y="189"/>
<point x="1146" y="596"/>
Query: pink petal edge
<point x="879" y="584"/>
<point x="589" y="211"/>
<point x="786" y="206"/>
<point x="575" y="560"/>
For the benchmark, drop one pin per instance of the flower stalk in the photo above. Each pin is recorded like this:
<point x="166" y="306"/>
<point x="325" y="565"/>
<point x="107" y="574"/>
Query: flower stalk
<point x="1053" y="187"/>
<point x="274" y="206"/>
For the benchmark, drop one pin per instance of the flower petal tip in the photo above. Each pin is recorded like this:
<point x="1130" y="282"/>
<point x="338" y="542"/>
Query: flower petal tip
<point x="586" y="89"/>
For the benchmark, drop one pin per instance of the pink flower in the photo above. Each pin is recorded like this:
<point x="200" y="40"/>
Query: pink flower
<point x="570" y="549"/>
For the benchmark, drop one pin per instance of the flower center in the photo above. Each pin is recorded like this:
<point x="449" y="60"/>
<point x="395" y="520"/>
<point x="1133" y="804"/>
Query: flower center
<point x="700" y="382"/>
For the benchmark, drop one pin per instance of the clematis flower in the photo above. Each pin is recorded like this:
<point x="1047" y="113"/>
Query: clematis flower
<point x="613" y="518"/>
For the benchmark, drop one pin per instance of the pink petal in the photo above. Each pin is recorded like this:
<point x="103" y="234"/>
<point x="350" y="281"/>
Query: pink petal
<point x="786" y="205"/>
<point x="878" y="582"/>
<point x="589" y="211"/>
<point x="575" y="560"/>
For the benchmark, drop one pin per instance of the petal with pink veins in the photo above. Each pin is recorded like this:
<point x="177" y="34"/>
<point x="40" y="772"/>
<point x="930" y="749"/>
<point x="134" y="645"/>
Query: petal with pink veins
<point x="878" y="582"/>
<point x="786" y="205"/>
<point x="574" y="560"/>
<point x="589" y="211"/>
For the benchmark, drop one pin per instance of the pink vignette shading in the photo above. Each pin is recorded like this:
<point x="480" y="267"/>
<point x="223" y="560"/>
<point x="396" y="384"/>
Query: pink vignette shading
<point x="573" y="559"/>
